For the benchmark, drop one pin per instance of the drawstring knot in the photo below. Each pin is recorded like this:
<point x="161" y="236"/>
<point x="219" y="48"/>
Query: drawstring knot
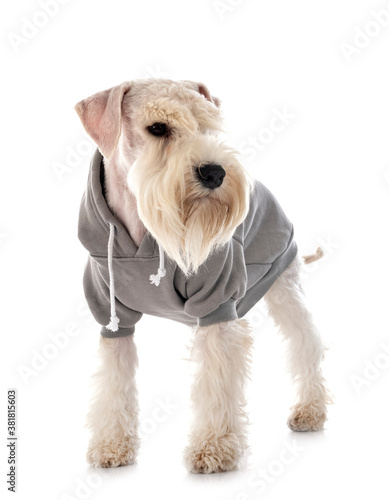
<point x="155" y="279"/>
<point x="113" y="325"/>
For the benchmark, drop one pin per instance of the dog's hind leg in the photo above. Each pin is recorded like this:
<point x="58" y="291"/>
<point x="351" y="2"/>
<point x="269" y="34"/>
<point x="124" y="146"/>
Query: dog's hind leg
<point x="113" y="415"/>
<point x="286" y="303"/>
<point x="218" y="435"/>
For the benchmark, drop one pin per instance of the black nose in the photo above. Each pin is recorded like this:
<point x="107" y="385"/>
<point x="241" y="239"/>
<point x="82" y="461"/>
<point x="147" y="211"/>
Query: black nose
<point x="211" y="176"/>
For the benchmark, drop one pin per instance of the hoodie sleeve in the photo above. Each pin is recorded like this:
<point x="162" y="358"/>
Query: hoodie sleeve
<point x="97" y="295"/>
<point x="214" y="291"/>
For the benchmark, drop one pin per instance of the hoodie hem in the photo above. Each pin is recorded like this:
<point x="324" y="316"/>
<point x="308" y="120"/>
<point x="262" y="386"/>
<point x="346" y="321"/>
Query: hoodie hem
<point x="122" y="332"/>
<point x="226" y="312"/>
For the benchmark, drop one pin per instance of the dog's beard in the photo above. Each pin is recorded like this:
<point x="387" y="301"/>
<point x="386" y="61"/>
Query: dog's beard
<point x="189" y="221"/>
<point x="211" y="218"/>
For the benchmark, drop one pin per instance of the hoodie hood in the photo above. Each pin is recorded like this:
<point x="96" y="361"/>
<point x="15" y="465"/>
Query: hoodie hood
<point x="100" y="220"/>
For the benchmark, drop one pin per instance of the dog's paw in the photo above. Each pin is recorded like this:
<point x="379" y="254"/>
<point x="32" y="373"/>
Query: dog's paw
<point x="214" y="454"/>
<point x="113" y="452"/>
<point x="307" y="418"/>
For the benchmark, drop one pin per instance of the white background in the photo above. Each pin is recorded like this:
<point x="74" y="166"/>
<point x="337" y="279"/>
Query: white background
<point x="329" y="168"/>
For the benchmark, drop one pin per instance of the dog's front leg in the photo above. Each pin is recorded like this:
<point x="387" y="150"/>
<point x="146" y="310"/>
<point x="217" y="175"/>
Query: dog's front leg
<point x="113" y="416"/>
<point x="218" y="436"/>
<point x="286" y="302"/>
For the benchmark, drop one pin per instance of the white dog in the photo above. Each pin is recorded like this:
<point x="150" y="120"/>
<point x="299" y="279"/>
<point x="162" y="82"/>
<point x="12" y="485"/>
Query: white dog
<point x="166" y="196"/>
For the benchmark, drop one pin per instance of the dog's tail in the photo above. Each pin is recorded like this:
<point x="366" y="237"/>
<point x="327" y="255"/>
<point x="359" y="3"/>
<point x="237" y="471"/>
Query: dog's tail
<point x="314" y="257"/>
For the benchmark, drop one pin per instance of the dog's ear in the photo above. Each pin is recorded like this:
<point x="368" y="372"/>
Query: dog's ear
<point x="101" y="116"/>
<point x="203" y="90"/>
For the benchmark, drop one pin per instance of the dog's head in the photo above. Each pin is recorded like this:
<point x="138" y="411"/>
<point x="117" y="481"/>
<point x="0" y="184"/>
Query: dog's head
<point x="190" y="189"/>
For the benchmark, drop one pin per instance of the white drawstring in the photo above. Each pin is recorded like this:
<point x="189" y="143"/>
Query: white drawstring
<point x="155" y="279"/>
<point x="113" y="324"/>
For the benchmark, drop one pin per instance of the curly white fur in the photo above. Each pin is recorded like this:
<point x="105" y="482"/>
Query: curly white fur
<point x="113" y="415"/>
<point x="286" y="304"/>
<point x="218" y="436"/>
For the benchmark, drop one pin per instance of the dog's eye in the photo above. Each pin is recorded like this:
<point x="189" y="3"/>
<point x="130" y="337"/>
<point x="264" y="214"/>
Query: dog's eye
<point x="158" y="129"/>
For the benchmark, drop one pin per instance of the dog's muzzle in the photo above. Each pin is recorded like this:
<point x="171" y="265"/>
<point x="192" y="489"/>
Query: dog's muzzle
<point x="211" y="176"/>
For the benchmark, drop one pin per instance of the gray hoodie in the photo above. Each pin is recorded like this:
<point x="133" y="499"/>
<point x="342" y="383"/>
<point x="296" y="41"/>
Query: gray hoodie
<point x="228" y="284"/>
